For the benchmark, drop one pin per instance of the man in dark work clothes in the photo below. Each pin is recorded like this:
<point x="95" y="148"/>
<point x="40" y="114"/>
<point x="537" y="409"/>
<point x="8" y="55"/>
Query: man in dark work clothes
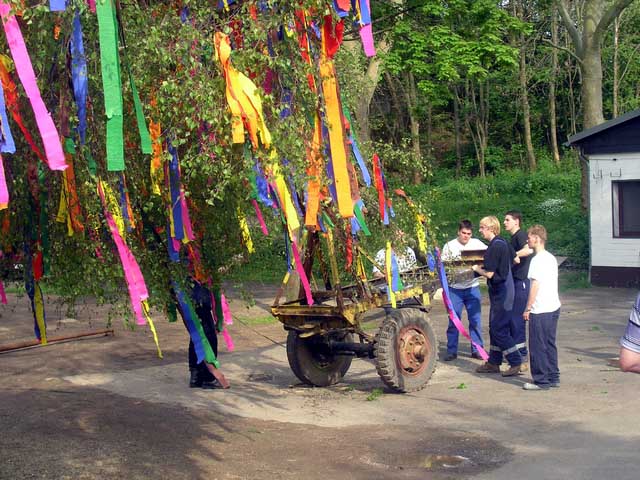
<point x="498" y="259"/>
<point x="521" y="283"/>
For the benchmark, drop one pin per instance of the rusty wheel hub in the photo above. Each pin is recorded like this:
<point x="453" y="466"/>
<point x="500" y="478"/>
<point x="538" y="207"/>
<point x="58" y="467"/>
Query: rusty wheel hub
<point x="413" y="350"/>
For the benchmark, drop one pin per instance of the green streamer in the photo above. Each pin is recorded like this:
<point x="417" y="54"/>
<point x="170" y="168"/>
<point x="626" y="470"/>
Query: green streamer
<point x="111" y="83"/>
<point x="145" y="138"/>
<point x="43" y="220"/>
<point x="360" y="217"/>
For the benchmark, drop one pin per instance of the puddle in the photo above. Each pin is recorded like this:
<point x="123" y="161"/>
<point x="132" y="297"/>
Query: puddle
<point x="444" y="461"/>
<point x="259" y="377"/>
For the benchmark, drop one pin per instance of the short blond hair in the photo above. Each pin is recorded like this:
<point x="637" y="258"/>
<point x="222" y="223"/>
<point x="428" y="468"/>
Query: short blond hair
<point x="492" y="223"/>
<point x="539" y="231"/>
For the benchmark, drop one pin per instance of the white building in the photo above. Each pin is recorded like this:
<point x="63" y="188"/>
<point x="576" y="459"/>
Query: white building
<point x="612" y="153"/>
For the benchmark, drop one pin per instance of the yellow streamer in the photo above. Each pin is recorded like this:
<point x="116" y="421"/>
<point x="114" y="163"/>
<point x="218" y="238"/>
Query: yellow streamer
<point x="242" y="97"/>
<point x="387" y="268"/>
<point x="246" y="234"/>
<point x="38" y="302"/>
<point x="145" y="310"/>
<point x="337" y="142"/>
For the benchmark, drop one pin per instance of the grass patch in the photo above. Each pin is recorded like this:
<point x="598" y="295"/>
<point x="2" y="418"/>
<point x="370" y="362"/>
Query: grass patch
<point x="573" y="279"/>
<point x="253" y="321"/>
<point x="375" y="394"/>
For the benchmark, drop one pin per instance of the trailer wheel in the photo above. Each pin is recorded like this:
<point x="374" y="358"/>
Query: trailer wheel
<point x="313" y="363"/>
<point x="406" y="350"/>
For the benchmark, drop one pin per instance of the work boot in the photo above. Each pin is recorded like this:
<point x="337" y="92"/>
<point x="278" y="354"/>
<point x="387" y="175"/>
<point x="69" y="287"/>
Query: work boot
<point x="524" y="367"/>
<point x="476" y="356"/>
<point x="513" y="370"/>
<point x="450" y="356"/>
<point x="194" y="379"/>
<point x="488" y="368"/>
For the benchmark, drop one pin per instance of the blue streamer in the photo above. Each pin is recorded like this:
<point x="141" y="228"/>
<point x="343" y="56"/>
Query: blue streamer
<point x="79" y="76"/>
<point x="174" y="186"/>
<point x="57" y="5"/>
<point x="7" y="145"/>
<point x="363" y="166"/>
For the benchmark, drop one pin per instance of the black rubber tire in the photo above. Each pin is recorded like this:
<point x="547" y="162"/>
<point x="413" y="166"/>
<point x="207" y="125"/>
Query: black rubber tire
<point x="386" y="350"/>
<point x="312" y="363"/>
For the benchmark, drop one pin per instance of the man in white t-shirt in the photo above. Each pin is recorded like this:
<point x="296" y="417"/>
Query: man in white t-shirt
<point x="464" y="294"/>
<point x="405" y="256"/>
<point x="542" y="313"/>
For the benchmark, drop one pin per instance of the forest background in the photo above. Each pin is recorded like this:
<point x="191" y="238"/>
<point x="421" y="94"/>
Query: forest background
<point x="467" y="103"/>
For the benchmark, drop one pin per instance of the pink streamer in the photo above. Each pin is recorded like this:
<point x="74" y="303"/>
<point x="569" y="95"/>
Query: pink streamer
<point x="48" y="131"/>
<point x="4" y="191"/>
<point x="260" y="219"/>
<point x="366" y="35"/>
<point x="186" y="220"/>
<point x="132" y="274"/>
<point x="3" y="295"/>
<point x="303" y="276"/>
<point x="456" y="321"/>
<point x="228" y="340"/>
<point x="92" y="5"/>
<point x="226" y="311"/>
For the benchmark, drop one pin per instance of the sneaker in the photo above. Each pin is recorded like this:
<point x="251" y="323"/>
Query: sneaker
<point x="488" y="368"/>
<point x="513" y="370"/>
<point x="533" y="386"/>
<point x="476" y="355"/>
<point x="524" y="367"/>
<point x="450" y="356"/>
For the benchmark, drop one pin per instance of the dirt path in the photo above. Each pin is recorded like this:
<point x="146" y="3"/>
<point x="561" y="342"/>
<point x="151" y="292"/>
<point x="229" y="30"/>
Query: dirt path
<point x="108" y="408"/>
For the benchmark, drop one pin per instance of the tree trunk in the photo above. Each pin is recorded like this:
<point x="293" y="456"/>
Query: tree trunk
<point x="552" y="89"/>
<point x="457" y="130"/>
<point x="370" y="82"/>
<point x="526" y="114"/>
<point x="395" y="102"/>
<point x="414" y="122"/>
<point x="616" y="67"/>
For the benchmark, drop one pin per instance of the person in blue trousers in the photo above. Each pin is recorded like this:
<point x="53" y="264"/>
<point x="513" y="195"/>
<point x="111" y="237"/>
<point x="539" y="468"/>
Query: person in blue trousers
<point x="464" y="294"/>
<point x="497" y="269"/>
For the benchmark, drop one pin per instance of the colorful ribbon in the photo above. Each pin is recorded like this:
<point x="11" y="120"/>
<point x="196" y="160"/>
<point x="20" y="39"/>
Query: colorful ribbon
<point x="79" y="76"/>
<point x="48" y="131"/>
<point x="446" y="298"/>
<point x="111" y="83"/>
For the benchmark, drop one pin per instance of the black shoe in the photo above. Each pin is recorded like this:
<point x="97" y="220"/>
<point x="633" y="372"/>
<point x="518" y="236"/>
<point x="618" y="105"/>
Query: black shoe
<point x="206" y="385"/>
<point x="450" y="356"/>
<point x="476" y="355"/>
<point x="194" y="379"/>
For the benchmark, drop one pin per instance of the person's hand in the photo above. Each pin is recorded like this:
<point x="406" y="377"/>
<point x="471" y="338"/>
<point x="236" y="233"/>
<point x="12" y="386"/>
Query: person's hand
<point x="516" y="260"/>
<point x="525" y="315"/>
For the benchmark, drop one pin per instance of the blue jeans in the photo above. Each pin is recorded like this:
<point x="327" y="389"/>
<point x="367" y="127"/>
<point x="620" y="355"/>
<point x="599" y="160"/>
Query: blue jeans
<point x="544" y="354"/>
<point x="518" y="328"/>
<point x="469" y="298"/>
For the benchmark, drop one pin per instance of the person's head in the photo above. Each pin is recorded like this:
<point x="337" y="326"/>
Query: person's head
<point x="512" y="221"/>
<point x="536" y="237"/>
<point x="489" y="227"/>
<point x="465" y="230"/>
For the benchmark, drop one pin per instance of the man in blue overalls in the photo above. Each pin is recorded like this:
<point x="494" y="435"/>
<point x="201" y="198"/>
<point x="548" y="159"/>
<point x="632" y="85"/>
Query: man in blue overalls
<point x="497" y="269"/>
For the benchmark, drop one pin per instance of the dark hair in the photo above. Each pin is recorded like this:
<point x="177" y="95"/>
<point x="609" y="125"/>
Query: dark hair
<point x="516" y="215"/>
<point x="465" y="224"/>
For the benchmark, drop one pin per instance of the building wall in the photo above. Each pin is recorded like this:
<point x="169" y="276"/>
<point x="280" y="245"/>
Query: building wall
<point x="607" y="251"/>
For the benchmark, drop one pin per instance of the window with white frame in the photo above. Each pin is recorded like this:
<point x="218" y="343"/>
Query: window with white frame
<point x="626" y="209"/>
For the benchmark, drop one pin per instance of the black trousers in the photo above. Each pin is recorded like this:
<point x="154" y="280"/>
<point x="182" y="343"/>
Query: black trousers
<point x="209" y="326"/>
<point x="542" y="348"/>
